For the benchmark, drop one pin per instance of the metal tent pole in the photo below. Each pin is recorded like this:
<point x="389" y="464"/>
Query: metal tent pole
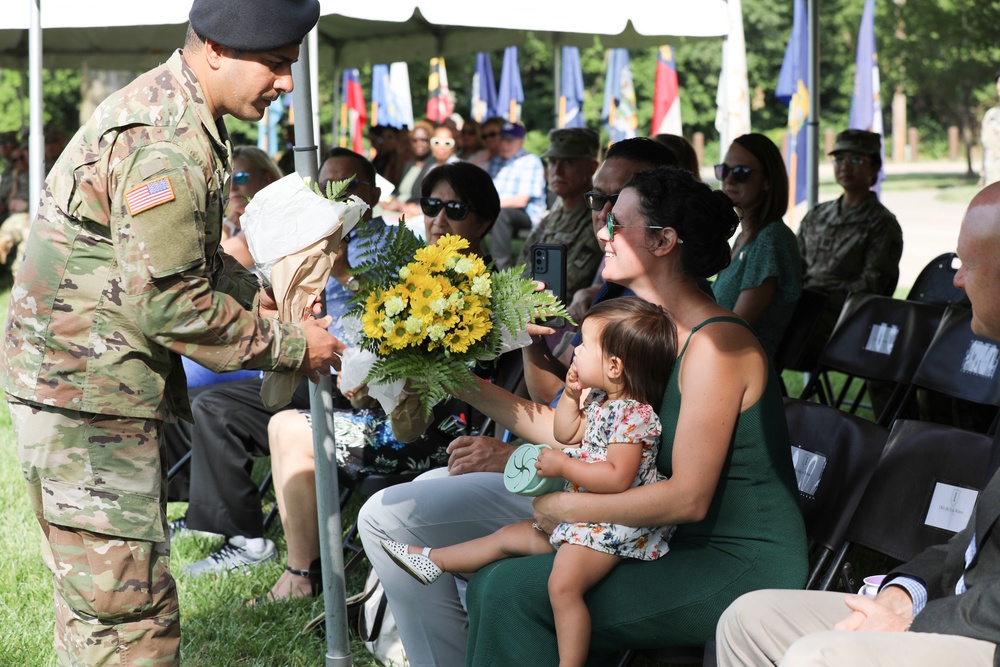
<point x="338" y="652"/>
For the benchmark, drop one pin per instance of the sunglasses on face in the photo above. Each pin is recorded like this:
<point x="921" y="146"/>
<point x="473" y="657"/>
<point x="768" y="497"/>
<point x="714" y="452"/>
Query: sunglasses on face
<point x="455" y="210"/>
<point x="596" y="200"/>
<point x="437" y="142"/>
<point x="241" y="178"/>
<point x="490" y="135"/>
<point x="612" y="225"/>
<point x="740" y="172"/>
<point x="853" y="160"/>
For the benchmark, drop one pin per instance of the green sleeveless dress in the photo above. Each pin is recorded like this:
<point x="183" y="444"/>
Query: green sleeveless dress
<point x="751" y="538"/>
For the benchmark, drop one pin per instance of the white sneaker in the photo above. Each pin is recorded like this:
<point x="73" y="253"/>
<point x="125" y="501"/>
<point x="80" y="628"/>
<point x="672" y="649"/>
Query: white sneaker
<point x="233" y="555"/>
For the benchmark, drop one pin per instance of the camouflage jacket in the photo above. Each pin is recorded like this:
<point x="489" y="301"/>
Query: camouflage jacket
<point x="850" y="249"/>
<point x="574" y="229"/>
<point x="122" y="271"/>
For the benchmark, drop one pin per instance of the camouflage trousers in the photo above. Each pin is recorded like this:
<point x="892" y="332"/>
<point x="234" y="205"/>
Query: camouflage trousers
<point x="98" y="492"/>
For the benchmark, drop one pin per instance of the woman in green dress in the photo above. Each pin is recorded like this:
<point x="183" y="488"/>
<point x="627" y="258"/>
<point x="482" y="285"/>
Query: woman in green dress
<point x="725" y="452"/>
<point x="763" y="282"/>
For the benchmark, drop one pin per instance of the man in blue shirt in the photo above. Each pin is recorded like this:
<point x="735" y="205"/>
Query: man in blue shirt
<point x="519" y="178"/>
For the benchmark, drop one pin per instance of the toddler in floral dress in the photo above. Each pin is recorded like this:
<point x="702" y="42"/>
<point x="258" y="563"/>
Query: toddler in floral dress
<point x="609" y="436"/>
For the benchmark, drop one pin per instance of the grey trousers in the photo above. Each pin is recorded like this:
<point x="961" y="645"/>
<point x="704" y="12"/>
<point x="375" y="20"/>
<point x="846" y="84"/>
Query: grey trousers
<point x="434" y="510"/>
<point x="794" y="629"/>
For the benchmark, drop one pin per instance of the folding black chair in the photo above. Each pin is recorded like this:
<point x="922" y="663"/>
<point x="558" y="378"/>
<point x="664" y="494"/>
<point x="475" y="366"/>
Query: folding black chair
<point x="835" y="454"/>
<point x="936" y="282"/>
<point x="960" y="365"/>
<point x="920" y="494"/>
<point x="793" y="351"/>
<point x="876" y="338"/>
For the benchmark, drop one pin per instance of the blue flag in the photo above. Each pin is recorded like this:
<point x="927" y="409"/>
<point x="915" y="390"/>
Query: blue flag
<point x="866" y="104"/>
<point x="383" y="111"/>
<point x="619" y="111"/>
<point x="511" y="94"/>
<point x="571" y="95"/>
<point x="793" y="90"/>
<point x="484" y="91"/>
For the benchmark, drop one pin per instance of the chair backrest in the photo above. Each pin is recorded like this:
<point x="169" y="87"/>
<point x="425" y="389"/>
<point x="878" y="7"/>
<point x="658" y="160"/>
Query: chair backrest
<point x="922" y="490"/>
<point x="880" y="338"/>
<point x="791" y="351"/>
<point x="835" y="454"/>
<point x="959" y="363"/>
<point x="935" y="283"/>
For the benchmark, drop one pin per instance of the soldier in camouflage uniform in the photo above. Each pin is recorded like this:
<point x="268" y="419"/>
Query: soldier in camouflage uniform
<point x="991" y="141"/>
<point x="851" y="244"/>
<point x="572" y="161"/>
<point x="122" y="275"/>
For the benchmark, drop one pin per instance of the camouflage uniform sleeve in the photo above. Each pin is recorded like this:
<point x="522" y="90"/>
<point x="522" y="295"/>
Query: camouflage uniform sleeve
<point x="884" y="249"/>
<point x="158" y="225"/>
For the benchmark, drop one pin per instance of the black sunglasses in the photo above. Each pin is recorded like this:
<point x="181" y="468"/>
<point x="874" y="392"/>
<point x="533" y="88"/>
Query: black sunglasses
<point x="597" y="200"/>
<point x="490" y="135"/>
<point x="740" y="173"/>
<point x="455" y="210"/>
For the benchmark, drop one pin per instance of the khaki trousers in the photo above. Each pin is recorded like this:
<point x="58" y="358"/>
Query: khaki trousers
<point x="794" y="629"/>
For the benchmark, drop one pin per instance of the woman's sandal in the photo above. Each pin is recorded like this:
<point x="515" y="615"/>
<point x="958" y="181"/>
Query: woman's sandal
<point x="314" y="574"/>
<point x="419" y="566"/>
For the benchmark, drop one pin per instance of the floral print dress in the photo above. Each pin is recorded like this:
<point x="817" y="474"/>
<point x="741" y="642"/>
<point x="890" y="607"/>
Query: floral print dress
<point x="623" y="420"/>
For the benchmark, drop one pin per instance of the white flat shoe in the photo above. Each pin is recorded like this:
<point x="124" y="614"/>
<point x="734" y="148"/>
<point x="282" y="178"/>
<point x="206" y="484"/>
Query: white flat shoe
<point x="419" y="566"/>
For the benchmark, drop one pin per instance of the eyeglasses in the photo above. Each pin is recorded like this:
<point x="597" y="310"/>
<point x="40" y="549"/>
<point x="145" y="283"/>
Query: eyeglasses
<point x="490" y="135"/>
<point x="612" y="224"/>
<point x="439" y="141"/>
<point x="853" y="160"/>
<point x="740" y="172"/>
<point x="455" y="210"/>
<point x="354" y="184"/>
<point x="596" y="200"/>
<point x="241" y="178"/>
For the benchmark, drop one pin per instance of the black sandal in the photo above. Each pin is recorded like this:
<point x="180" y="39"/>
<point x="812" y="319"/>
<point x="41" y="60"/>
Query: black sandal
<point x="314" y="574"/>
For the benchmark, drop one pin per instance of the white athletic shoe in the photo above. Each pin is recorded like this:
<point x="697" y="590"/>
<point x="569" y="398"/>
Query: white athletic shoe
<point x="233" y="555"/>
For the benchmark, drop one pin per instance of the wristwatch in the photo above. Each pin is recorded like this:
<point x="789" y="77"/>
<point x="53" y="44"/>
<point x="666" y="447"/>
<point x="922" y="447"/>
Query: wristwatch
<point x="353" y="284"/>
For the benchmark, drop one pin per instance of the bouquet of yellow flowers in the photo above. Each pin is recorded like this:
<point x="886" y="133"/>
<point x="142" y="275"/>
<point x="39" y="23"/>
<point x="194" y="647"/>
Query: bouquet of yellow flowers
<point x="428" y="313"/>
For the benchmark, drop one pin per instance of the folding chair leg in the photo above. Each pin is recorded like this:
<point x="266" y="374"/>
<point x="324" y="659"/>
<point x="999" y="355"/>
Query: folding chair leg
<point x="830" y="579"/>
<point x="176" y="468"/>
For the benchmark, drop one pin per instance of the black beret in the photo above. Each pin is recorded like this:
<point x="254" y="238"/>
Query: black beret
<point x="254" y="25"/>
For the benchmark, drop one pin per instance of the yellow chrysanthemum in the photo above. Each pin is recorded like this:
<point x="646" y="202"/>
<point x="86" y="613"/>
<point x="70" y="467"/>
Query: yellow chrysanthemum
<point x="452" y="243"/>
<point x="396" y="337"/>
<point x="457" y="340"/>
<point x="373" y="317"/>
<point x="429" y="259"/>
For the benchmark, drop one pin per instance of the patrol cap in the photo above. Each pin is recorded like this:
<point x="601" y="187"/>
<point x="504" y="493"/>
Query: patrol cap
<point x="254" y="25"/>
<point x="512" y="131"/>
<point x="859" y="141"/>
<point x="571" y="143"/>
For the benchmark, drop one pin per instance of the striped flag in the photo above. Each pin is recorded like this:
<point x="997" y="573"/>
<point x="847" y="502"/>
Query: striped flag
<point x="666" y="98"/>
<point x="353" y="114"/>
<point x="149" y="195"/>
<point x="440" y="104"/>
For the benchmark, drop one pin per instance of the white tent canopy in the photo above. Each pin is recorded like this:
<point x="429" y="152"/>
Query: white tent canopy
<point x="121" y="34"/>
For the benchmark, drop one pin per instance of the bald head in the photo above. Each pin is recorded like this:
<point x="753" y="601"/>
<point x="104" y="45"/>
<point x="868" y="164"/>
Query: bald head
<point x="979" y="250"/>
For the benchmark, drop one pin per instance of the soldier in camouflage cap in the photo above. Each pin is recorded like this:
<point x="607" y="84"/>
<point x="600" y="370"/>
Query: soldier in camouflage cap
<point x="122" y="275"/>
<point x="851" y="244"/>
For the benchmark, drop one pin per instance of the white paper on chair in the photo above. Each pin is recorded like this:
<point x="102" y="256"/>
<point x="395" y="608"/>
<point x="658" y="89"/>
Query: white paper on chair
<point x="951" y="507"/>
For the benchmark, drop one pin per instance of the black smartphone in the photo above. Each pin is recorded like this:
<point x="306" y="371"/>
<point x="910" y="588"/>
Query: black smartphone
<point x="548" y="265"/>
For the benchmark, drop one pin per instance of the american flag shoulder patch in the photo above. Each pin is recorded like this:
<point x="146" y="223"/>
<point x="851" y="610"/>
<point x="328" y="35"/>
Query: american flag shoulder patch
<point x="148" y="195"/>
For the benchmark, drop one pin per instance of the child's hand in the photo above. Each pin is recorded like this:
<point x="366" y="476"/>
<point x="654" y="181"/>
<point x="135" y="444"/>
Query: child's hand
<point x="573" y="386"/>
<point x="550" y="463"/>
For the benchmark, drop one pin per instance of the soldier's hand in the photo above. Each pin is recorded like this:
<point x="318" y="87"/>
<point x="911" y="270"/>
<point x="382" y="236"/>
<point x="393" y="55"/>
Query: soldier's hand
<point x="322" y="349"/>
<point x="266" y="305"/>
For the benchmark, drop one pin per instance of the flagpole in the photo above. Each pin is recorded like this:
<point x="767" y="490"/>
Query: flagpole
<point x="812" y="124"/>
<point x="557" y="71"/>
